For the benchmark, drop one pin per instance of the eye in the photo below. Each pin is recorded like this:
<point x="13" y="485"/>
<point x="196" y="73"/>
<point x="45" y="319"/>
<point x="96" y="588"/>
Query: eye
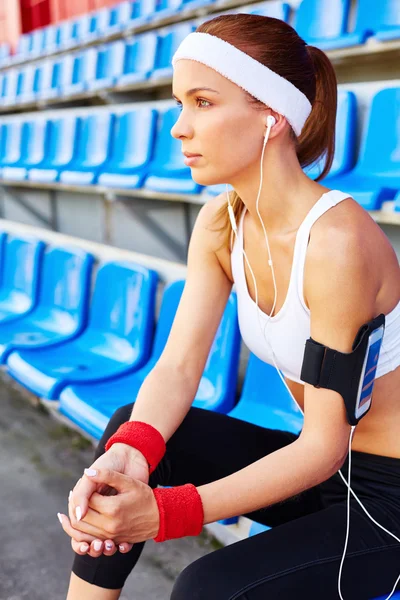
<point x="198" y="100"/>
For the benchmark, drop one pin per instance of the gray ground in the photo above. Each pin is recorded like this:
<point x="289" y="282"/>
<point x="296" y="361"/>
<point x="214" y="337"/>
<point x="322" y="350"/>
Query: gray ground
<point x="41" y="460"/>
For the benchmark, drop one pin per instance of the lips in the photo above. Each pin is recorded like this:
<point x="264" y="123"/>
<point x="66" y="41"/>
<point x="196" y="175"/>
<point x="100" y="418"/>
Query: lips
<point x="190" y="154"/>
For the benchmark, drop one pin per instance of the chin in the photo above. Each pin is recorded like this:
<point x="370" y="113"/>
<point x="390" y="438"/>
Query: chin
<point x="203" y="179"/>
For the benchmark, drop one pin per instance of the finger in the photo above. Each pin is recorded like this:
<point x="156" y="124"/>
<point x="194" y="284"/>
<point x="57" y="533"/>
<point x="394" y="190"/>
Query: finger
<point x="124" y="547"/>
<point x="109" y="548"/>
<point x="94" y="525"/>
<point x="102" y="504"/>
<point x="80" y="497"/>
<point x="78" y="536"/>
<point x="96" y="548"/>
<point x="80" y="548"/>
<point x="114" y="479"/>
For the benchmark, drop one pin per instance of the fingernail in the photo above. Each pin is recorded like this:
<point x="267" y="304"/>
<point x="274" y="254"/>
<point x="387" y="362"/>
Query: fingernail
<point x="78" y="513"/>
<point x="90" y="472"/>
<point x="69" y="496"/>
<point x="97" y="546"/>
<point x="84" y="547"/>
<point x="108" y="546"/>
<point x="121" y="547"/>
<point x="59" y="517"/>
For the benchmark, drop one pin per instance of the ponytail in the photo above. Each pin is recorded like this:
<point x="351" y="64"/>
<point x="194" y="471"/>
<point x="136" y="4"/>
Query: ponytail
<point x="318" y="135"/>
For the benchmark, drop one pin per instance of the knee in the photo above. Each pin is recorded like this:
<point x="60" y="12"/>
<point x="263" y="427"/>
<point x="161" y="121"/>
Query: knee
<point x="197" y="582"/>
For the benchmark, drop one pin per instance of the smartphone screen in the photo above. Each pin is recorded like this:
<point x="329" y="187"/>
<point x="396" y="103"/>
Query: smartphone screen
<point x="364" y="396"/>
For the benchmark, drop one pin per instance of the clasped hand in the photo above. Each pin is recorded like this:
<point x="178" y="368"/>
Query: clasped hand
<point x="109" y="509"/>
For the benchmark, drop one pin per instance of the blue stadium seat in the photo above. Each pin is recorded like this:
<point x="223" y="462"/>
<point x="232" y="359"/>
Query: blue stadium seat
<point x="21" y="259"/>
<point x="25" y="83"/>
<point x="92" y="149"/>
<point x="376" y="176"/>
<point x="386" y="20"/>
<point x="265" y="400"/>
<point x="61" y="311"/>
<point x="11" y="144"/>
<point x="9" y="88"/>
<point x="51" y="38"/>
<point x="345" y="138"/>
<point x="116" y="341"/>
<point x="166" y="8"/>
<point x="272" y="8"/>
<point x="67" y="37"/>
<point x="58" y="79"/>
<point x="141" y="11"/>
<point x="33" y="141"/>
<point x="92" y="26"/>
<point x="397" y="202"/>
<point x="109" y="65"/>
<point x="91" y="406"/>
<point x="188" y="5"/>
<point x="23" y="46"/>
<point x="5" y="53"/>
<point x="131" y="149"/>
<point x="167" y="171"/>
<point x="168" y="43"/>
<point x="324" y="23"/>
<point x="44" y="79"/>
<point x="37" y="43"/>
<point x="62" y="138"/>
<point x="256" y="528"/>
<point x="83" y="72"/>
<point x="119" y="17"/>
<point x="139" y="59"/>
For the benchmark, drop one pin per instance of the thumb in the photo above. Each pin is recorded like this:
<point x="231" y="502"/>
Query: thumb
<point x="109" y="477"/>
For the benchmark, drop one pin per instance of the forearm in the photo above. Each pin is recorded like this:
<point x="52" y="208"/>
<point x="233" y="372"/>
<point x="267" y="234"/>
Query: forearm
<point x="164" y="399"/>
<point x="274" y="478"/>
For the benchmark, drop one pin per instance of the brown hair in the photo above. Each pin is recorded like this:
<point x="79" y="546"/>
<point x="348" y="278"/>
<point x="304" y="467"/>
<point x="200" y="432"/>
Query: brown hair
<point x="278" y="46"/>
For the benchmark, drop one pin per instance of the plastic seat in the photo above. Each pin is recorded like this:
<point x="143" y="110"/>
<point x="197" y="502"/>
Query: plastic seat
<point x="33" y="141"/>
<point x="167" y="171"/>
<point x="91" y="406"/>
<point x="117" y="339"/>
<point x="396" y="204"/>
<point x="109" y="65"/>
<point x="21" y="260"/>
<point x="141" y="11"/>
<point x="23" y="46"/>
<point x="67" y="37"/>
<point x="92" y="150"/>
<point x="51" y="38"/>
<point x="25" y="82"/>
<point x="11" y="141"/>
<point x="139" y="58"/>
<point x="119" y="16"/>
<point x="323" y="23"/>
<point x="9" y="91"/>
<point x="345" y="138"/>
<point x="5" y="53"/>
<point x="131" y="149"/>
<point x="272" y="8"/>
<point x="376" y="176"/>
<point x="166" y="8"/>
<point x="60" y="77"/>
<point x="168" y="43"/>
<point x="83" y="72"/>
<point x="44" y="79"/>
<point x="92" y="26"/>
<point x="61" y="311"/>
<point x="37" y="43"/>
<point x="62" y="138"/>
<point x="191" y="4"/>
<point x="386" y="20"/>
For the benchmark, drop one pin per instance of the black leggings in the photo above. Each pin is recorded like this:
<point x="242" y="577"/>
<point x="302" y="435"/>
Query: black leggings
<point x="300" y="556"/>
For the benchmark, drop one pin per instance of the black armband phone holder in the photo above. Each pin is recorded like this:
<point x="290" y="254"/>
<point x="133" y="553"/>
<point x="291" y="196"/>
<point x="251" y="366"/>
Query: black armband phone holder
<point x="351" y="374"/>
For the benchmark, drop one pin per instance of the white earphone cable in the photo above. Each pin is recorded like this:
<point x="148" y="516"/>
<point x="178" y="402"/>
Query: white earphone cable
<point x="270" y="123"/>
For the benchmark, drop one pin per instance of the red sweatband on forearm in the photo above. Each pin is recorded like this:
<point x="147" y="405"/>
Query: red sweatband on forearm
<point x="142" y="436"/>
<point x="181" y="512"/>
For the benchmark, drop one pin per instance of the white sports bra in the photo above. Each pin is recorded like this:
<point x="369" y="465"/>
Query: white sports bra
<point x="289" y="329"/>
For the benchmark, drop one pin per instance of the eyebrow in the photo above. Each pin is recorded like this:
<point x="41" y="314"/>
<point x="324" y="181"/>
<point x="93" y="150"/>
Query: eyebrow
<point x="195" y="90"/>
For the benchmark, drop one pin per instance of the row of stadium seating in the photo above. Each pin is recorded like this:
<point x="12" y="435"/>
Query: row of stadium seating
<point x="133" y="148"/>
<point x="93" y="352"/>
<point x="319" y="22"/>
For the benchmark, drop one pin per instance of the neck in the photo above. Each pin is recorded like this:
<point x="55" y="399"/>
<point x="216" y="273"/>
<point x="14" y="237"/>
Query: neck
<point x="287" y="194"/>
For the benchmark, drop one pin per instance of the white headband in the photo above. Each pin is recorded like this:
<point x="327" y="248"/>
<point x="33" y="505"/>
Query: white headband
<point x="254" y="77"/>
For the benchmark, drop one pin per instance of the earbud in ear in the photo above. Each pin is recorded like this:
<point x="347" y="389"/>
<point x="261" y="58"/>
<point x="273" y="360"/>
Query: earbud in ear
<point x="271" y="121"/>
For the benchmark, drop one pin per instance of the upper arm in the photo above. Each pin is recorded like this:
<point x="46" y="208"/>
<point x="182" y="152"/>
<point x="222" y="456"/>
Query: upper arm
<point x="203" y="301"/>
<point x="341" y="298"/>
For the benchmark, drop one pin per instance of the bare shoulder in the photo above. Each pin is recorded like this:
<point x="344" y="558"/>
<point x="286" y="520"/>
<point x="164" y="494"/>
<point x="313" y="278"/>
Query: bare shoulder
<point x="347" y="235"/>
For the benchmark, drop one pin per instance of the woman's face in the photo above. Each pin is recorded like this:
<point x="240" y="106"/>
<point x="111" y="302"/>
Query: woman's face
<point x="219" y="125"/>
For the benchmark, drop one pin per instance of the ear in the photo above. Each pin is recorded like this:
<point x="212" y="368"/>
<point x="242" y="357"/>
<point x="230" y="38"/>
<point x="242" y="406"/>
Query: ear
<point x="280" y="122"/>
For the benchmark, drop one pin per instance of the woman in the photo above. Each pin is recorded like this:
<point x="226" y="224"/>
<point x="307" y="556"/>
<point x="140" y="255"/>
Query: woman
<point x="345" y="272"/>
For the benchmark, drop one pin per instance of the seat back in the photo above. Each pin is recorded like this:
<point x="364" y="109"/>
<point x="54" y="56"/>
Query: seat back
<point x="140" y="53"/>
<point x="62" y="138"/>
<point x="133" y="139"/>
<point x="84" y="66"/>
<point x="110" y="60"/>
<point x="316" y="19"/>
<point x="13" y="142"/>
<point x="380" y="152"/>
<point x="345" y="138"/>
<point x="67" y="35"/>
<point x="65" y="286"/>
<point x="44" y="76"/>
<point x="169" y="42"/>
<point x="10" y="82"/>
<point x="34" y="135"/>
<point x="51" y="38"/>
<point x="119" y="15"/>
<point x="22" y="263"/>
<point x="273" y="8"/>
<point x="24" y="45"/>
<point x="37" y="43"/>
<point x="372" y="16"/>
<point x="123" y="305"/>
<point x="168" y="150"/>
<point x="94" y="140"/>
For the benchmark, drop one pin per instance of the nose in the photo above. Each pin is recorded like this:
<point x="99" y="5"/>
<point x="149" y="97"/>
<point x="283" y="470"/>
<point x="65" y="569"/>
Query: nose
<point x="181" y="129"/>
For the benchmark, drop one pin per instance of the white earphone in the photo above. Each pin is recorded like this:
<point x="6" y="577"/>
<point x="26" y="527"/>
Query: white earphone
<point x="270" y="121"/>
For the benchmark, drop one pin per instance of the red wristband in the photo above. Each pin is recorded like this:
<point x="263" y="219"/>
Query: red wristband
<point x="142" y="436"/>
<point x="181" y="512"/>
